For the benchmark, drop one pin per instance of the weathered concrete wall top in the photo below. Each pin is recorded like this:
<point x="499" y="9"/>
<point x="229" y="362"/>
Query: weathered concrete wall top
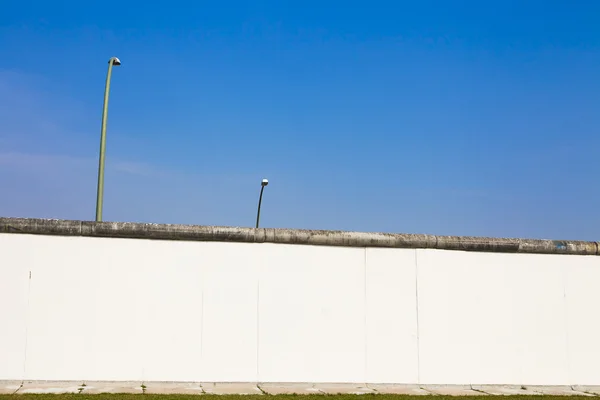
<point x="291" y="236"/>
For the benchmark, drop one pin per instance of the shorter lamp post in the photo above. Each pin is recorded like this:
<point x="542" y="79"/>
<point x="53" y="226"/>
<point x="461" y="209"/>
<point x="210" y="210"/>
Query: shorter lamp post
<point x="264" y="183"/>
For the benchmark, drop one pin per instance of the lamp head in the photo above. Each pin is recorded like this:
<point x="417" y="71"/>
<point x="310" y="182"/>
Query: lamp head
<point x="264" y="182"/>
<point x="114" y="61"/>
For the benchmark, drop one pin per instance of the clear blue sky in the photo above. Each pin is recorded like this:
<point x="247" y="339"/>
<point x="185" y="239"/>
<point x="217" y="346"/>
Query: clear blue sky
<point x="442" y="117"/>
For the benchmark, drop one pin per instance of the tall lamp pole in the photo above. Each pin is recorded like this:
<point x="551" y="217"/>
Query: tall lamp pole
<point x="264" y="183"/>
<point x="114" y="61"/>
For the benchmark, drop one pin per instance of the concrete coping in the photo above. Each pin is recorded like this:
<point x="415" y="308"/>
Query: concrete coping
<point x="291" y="236"/>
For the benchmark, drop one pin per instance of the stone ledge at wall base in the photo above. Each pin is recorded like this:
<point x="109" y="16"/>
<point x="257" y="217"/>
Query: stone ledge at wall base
<point x="291" y="236"/>
<point x="200" y="388"/>
<point x="9" y="387"/>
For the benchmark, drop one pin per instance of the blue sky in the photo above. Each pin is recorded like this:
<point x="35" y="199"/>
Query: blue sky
<point x="442" y="117"/>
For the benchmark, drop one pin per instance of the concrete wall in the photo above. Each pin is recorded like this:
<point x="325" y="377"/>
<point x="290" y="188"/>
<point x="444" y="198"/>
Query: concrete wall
<point x="90" y="308"/>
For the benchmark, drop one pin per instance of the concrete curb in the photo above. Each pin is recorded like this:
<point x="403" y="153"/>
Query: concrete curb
<point x="291" y="236"/>
<point x="220" y="388"/>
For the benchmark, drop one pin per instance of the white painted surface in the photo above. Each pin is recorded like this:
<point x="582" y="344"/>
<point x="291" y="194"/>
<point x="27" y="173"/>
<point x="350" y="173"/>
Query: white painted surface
<point x="501" y="316"/>
<point x="466" y="318"/>
<point x="229" y="330"/>
<point x="169" y="286"/>
<point x="15" y="261"/>
<point x="582" y="290"/>
<point x="104" y="309"/>
<point x="392" y="337"/>
<point x="312" y="314"/>
<point x="542" y="330"/>
<point x="85" y="310"/>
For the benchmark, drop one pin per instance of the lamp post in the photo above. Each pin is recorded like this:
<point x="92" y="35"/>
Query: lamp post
<point x="114" y="61"/>
<point x="264" y="183"/>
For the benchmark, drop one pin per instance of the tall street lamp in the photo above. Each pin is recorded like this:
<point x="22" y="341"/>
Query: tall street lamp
<point x="264" y="183"/>
<point x="100" y="194"/>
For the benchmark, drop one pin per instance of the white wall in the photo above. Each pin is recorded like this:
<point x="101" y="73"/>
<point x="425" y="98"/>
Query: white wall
<point x="129" y="309"/>
<point x="492" y="318"/>
<point x="15" y="261"/>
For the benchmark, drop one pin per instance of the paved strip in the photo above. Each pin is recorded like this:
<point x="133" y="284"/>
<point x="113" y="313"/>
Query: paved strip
<point x="172" y="388"/>
<point x="64" y="387"/>
<point x="455" y="390"/>
<point x="289" y="388"/>
<point x="112" y="387"/>
<point x="505" y="390"/>
<point x="230" y="388"/>
<point x="595" y="390"/>
<point x="390" y="388"/>
<point x="558" y="391"/>
<point x="343" y="388"/>
<point x="53" y="387"/>
<point x="9" y="387"/>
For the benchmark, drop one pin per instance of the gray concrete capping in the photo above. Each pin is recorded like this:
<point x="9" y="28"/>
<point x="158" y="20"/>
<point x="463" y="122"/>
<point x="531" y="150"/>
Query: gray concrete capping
<point x="291" y="236"/>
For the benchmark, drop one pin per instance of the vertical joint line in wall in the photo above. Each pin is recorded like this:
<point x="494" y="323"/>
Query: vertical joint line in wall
<point x="257" y="329"/>
<point x="417" y="315"/>
<point x="26" y="327"/>
<point x="366" y="375"/>
<point x="202" y="328"/>
<point x="566" y="323"/>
